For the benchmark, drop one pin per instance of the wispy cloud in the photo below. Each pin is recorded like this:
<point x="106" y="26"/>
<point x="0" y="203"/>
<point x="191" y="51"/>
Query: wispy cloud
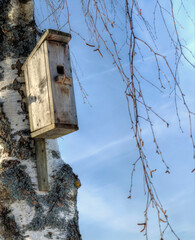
<point x="99" y="150"/>
<point x="125" y="66"/>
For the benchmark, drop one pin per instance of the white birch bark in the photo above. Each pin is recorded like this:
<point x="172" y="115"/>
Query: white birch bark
<point x="25" y="212"/>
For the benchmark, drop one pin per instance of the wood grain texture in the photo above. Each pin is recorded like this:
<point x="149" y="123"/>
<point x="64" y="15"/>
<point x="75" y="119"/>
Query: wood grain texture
<point x="37" y="91"/>
<point x="54" y="131"/>
<point x="42" y="173"/>
<point x="63" y="94"/>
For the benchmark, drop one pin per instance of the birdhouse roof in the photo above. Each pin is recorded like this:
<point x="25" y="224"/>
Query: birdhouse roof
<point x="51" y="35"/>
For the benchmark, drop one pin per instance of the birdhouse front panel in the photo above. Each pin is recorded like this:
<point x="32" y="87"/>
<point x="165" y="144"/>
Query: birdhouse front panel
<point x="62" y="84"/>
<point x="49" y="85"/>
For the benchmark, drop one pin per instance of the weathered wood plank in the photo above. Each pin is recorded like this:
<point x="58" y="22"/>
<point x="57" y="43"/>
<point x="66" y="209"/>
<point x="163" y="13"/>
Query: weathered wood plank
<point x="63" y="94"/>
<point x="37" y="91"/>
<point x="27" y="93"/>
<point x="42" y="173"/>
<point x="54" y="131"/>
<point x="50" y="94"/>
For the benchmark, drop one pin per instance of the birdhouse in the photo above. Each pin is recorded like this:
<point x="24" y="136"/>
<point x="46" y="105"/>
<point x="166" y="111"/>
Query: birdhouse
<point x="49" y="86"/>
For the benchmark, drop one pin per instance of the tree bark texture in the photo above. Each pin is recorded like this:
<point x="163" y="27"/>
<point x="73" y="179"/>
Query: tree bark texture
<point x="25" y="212"/>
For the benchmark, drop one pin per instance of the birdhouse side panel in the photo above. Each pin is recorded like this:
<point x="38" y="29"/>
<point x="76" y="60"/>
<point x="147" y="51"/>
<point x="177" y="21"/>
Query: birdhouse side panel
<point x="62" y="83"/>
<point x="37" y="90"/>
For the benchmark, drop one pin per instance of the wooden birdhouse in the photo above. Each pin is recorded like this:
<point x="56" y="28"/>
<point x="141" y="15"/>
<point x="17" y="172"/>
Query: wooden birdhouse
<point x="49" y="86"/>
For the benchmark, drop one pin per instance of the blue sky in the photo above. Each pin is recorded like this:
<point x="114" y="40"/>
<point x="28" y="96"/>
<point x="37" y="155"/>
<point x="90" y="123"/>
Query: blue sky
<point x="103" y="150"/>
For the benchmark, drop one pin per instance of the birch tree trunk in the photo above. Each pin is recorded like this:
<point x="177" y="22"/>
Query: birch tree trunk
<point x="25" y="212"/>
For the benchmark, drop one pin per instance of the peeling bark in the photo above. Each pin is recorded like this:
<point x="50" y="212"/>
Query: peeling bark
<point x="25" y="212"/>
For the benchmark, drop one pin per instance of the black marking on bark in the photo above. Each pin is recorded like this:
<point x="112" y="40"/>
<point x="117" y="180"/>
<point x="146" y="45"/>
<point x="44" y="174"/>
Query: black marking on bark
<point x="49" y="235"/>
<point x="16" y="84"/>
<point x="16" y="185"/>
<point x="22" y="148"/>
<point x="18" y="182"/>
<point x="20" y="39"/>
<point x="19" y="67"/>
<point x="24" y="107"/>
<point x="19" y="187"/>
<point x="73" y="231"/>
<point x="8" y="227"/>
<point x="13" y="66"/>
<point x="1" y="71"/>
<point x="55" y="154"/>
<point x="17" y="87"/>
<point x="58" y="199"/>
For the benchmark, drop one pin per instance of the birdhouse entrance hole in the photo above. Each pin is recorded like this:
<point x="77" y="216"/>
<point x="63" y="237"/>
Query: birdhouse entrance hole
<point x="60" y="70"/>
